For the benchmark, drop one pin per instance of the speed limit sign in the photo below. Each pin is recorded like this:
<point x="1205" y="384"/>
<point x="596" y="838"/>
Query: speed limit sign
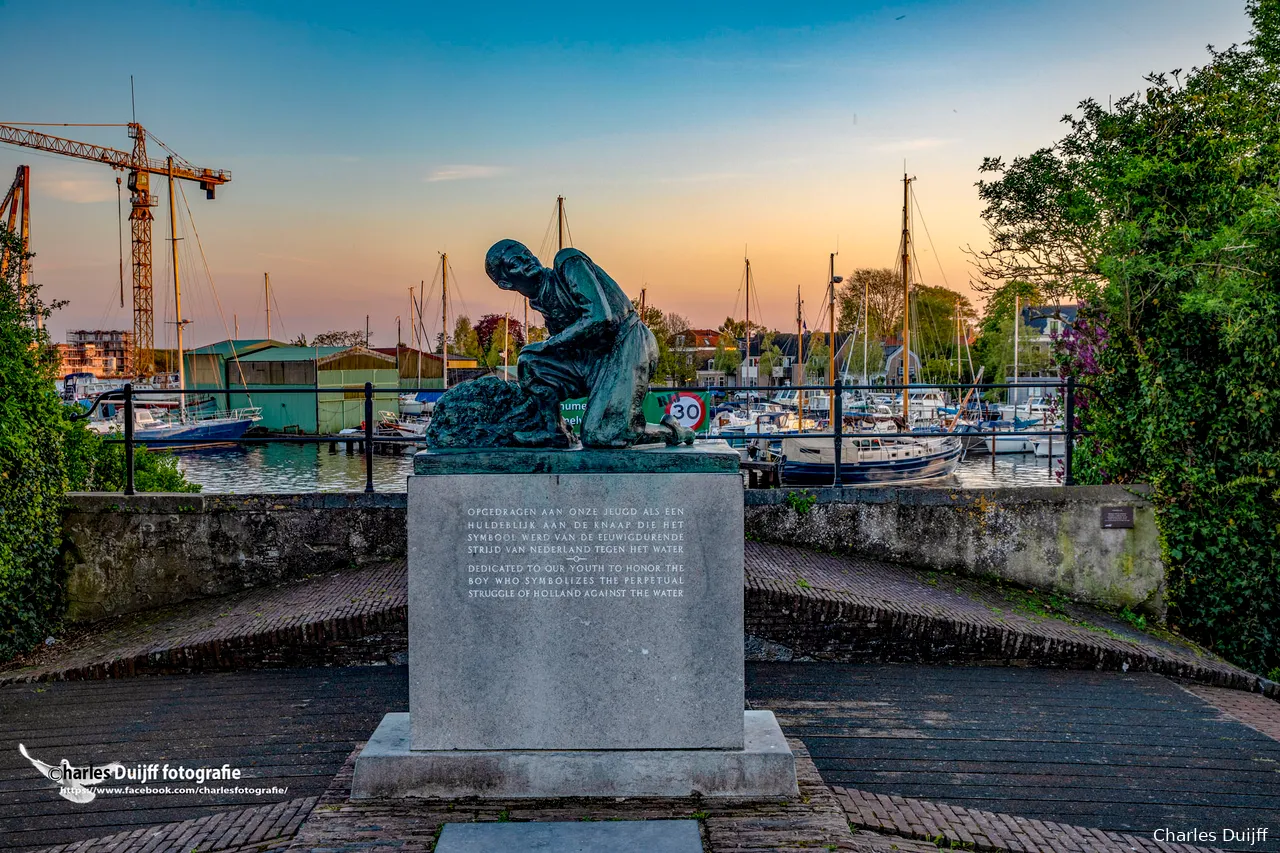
<point x="688" y="409"/>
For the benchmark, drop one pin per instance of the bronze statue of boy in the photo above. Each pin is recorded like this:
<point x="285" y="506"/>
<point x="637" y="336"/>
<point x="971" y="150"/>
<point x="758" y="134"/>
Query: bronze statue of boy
<point x="597" y="347"/>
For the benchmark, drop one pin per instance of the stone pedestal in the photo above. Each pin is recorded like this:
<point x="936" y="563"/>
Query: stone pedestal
<point x="575" y="629"/>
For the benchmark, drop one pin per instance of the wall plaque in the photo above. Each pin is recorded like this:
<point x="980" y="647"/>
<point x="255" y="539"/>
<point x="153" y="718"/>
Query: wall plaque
<point x="1117" y="517"/>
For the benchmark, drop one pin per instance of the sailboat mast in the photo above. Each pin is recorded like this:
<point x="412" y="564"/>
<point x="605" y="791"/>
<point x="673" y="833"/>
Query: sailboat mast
<point x="177" y="292"/>
<point x="906" y="298"/>
<point x="266" y="289"/>
<point x="560" y="220"/>
<point x="831" y="335"/>
<point x="1017" y="315"/>
<point x="866" y="331"/>
<point x="747" y="360"/>
<point x="413" y="326"/>
<point x="800" y="357"/>
<point x="444" y="317"/>
<point x="421" y="331"/>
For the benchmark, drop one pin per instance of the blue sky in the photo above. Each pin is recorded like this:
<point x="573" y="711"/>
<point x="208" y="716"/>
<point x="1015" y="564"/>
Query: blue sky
<point x="365" y="139"/>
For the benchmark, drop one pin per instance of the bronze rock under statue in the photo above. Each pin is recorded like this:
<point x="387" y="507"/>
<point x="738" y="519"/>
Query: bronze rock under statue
<point x="597" y="347"/>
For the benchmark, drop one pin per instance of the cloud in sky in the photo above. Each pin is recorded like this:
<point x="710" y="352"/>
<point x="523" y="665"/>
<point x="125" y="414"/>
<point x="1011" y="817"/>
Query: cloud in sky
<point x="465" y="173"/>
<point x="76" y="190"/>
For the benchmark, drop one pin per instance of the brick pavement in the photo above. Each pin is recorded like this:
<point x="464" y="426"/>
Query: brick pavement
<point x="1125" y="753"/>
<point x="954" y="826"/>
<point x="1255" y="711"/>
<point x="815" y="821"/>
<point x="345" y="617"/>
<point x="880" y="822"/>
<point x="840" y="608"/>
<point x="264" y="829"/>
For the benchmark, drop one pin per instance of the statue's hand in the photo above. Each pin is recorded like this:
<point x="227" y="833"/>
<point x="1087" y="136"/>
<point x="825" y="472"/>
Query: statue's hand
<point x="534" y="347"/>
<point x="676" y="434"/>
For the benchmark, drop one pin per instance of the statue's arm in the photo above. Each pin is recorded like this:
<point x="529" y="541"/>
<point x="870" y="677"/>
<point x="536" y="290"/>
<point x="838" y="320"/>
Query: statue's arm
<point x="589" y="292"/>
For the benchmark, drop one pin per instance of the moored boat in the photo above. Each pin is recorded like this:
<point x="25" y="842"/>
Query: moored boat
<point x="867" y="460"/>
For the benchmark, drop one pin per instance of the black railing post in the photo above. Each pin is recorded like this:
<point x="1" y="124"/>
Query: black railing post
<point x="1067" y="478"/>
<point x="128" y="438"/>
<point x="368" y="437"/>
<point x="837" y="425"/>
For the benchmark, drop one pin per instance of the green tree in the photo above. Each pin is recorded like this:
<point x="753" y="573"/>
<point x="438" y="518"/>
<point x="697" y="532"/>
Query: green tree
<point x="1162" y="212"/>
<point x="500" y="330"/>
<point x="338" y="338"/>
<point x="993" y="349"/>
<point x="465" y="341"/>
<point x="737" y="329"/>
<point x="727" y="359"/>
<point x="770" y="357"/>
<point x="674" y="367"/>
<point x="818" y="359"/>
<point x="883" y="291"/>
<point x="875" y="360"/>
<point x="938" y="370"/>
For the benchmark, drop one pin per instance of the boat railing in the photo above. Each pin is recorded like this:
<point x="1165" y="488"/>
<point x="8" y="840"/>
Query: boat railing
<point x="834" y="428"/>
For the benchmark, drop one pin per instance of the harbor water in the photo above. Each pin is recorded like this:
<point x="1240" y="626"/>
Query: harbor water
<point x="293" y="468"/>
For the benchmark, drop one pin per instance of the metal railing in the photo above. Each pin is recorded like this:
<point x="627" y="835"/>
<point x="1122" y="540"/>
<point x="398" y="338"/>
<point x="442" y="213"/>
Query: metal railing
<point x="129" y="397"/>
<point x="837" y="433"/>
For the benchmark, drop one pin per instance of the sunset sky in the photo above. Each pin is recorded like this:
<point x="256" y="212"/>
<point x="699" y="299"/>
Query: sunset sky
<point x="365" y="138"/>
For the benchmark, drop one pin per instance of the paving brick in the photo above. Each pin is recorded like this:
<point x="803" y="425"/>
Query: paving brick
<point x="993" y="832"/>
<point x="813" y="822"/>
<point x="346" y="617"/>
<point x="839" y="608"/>
<point x="1253" y="709"/>
<point x="226" y="832"/>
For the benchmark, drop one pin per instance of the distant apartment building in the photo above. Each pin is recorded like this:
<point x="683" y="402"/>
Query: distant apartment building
<point x="102" y="352"/>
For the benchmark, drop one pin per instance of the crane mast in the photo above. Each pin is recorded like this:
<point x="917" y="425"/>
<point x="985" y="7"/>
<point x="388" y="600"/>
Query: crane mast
<point x="140" y="167"/>
<point x="17" y="209"/>
<point x="140" y="219"/>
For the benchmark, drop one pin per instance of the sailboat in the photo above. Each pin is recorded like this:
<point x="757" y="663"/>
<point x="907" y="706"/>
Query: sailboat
<point x="867" y="459"/>
<point x="186" y="429"/>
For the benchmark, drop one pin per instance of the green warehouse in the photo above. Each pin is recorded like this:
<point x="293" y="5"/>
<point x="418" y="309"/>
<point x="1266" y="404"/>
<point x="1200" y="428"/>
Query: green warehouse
<point x="339" y="373"/>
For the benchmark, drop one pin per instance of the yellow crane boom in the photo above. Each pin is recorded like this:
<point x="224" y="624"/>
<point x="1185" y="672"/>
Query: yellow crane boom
<point x="140" y="167"/>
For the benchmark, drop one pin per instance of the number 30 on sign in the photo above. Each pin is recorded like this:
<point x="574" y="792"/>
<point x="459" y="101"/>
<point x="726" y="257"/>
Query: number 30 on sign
<point x="688" y="409"/>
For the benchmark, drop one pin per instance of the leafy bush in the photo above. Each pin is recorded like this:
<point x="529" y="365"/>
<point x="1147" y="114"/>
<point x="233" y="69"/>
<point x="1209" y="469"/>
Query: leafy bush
<point x="43" y="455"/>
<point x="98" y="466"/>
<point x="32" y="466"/>
<point x="1162" y="213"/>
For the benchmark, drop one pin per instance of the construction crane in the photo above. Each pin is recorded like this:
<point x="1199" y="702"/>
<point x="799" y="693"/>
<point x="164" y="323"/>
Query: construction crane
<point x="16" y="210"/>
<point x="140" y="169"/>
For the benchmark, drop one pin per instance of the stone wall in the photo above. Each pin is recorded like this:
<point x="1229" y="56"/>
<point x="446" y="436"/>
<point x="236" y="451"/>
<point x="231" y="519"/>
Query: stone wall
<point x="133" y="553"/>
<point x="1047" y="538"/>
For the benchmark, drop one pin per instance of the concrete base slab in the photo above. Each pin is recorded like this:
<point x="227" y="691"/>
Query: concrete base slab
<point x="625" y="836"/>
<point x="387" y="767"/>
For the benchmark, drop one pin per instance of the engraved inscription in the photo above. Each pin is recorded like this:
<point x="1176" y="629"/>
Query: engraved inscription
<point x="620" y="553"/>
